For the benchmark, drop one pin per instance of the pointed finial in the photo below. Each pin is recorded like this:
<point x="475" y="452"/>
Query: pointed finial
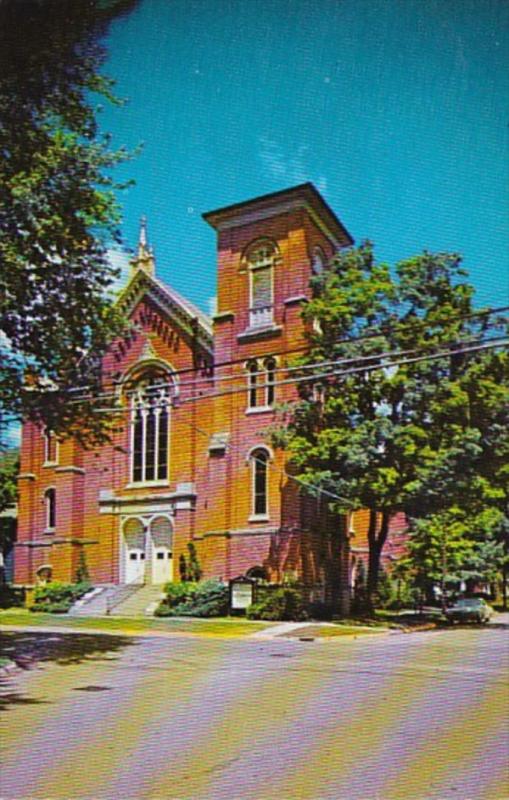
<point x="142" y="241"/>
<point x="145" y="256"/>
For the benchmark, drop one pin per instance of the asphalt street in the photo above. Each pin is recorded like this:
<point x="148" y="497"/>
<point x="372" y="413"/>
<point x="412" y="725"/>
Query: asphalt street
<point x="419" y="716"/>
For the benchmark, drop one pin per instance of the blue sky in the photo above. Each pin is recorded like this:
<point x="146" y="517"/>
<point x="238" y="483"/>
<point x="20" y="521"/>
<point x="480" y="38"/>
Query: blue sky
<point x="395" y="109"/>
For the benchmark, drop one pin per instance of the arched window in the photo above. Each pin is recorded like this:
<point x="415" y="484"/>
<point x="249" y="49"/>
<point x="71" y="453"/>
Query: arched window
<point x="150" y="427"/>
<point x="259" y="467"/>
<point x="270" y="377"/>
<point x="260" y="260"/>
<point x="50" y="447"/>
<point x="252" y="371"/>
<point x="50" y="501"/>
<point x="261" y="377"/>
<point x="318" y="261"/>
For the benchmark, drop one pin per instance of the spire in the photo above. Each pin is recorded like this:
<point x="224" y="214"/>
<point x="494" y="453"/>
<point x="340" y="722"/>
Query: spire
<point x="145" y="256"/>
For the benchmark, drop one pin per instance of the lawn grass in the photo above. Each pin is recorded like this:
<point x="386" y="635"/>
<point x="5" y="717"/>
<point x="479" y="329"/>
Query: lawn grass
<point x="331" y="631"/>
<point x="225" y="627"/>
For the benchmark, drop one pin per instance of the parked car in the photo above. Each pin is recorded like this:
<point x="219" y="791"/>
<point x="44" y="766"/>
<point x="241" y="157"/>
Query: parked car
<point x="470" y="609"/>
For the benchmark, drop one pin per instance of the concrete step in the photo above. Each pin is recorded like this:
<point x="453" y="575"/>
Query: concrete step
<point x="139" y="604"/>
<point x="101" y="600"/>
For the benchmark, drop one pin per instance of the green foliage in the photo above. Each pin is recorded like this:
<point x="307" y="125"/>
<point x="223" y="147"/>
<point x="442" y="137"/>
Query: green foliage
<point x="58" y="213"/>
<point x="194" y="570"/>
<point x="82" y="573"/>
<point x="284" y="603"/>
<point x="206" y="599"/>
<point x="182" y="567"/>
<point x="389" y="431"/>
<point x="9" y="468"/>
<point x="56" y="597"/>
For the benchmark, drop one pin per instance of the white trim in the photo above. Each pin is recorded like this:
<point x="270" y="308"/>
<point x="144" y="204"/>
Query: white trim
<point x="259" y="409"/>
<point x="258" y="518"/>
<point x="146" y="484"/>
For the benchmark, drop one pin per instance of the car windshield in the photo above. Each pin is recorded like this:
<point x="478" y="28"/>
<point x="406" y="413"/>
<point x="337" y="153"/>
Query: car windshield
<point x="469" y="603"/>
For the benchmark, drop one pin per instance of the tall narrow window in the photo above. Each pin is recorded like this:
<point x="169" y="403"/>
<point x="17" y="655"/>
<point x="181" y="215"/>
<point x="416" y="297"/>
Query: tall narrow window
<point x="150" y="426"/>
<point x="50" y="447"/>
<point x="259" y="462"/>
<point x="261" y="268"/>
<point x="50" y="499"/>
<point x="270" y="378"/>
<point x="252" y="371"/>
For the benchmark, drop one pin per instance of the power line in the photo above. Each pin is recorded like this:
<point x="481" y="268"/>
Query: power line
<point x="490" y="344"/>
<point x="348" y="340"/>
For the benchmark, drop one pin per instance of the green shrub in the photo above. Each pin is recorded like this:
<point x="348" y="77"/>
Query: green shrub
<point x="57" y="597"/>
<point x="286" y="604"/>
<point x="206" y="599"/>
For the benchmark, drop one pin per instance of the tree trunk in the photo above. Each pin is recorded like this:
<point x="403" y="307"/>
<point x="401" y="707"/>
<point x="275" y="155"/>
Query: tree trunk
<point x="377" y="536"/>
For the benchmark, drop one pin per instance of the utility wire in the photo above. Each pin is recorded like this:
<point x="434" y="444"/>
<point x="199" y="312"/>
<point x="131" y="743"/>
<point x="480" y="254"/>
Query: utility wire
<point x="347" y="340"/>
<point x="490" y="344"/>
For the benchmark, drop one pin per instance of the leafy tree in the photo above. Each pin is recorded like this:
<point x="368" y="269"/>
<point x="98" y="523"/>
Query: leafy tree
<point x="9" y="466"/>
<point x="58" y="214"/>
<point x="366" y="435"/>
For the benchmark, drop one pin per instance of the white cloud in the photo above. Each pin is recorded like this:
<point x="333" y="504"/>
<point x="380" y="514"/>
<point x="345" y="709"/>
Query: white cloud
<point x="120" y="260"/>
<point x="212" y="305"/>
<point x="292" y="169"/>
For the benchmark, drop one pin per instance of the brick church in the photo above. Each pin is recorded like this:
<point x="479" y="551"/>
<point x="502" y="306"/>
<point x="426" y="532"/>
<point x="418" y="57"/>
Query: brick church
<point x="193" y="396"/>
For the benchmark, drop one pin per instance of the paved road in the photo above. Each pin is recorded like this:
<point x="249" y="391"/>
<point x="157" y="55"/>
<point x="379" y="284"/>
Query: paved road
<point x="382" y="717"/>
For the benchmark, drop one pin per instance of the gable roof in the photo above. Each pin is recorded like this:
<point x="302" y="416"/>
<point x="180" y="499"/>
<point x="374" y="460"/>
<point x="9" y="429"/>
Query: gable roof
<point x="188" y="316"/>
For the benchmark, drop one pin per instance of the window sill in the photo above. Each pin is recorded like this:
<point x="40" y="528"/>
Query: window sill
<point x="259" y="332"/>
<point x="258" y="518"/>
<point x="47" y="464"/>
<point x="146" y="484"/>
<point x="259" y="410"/>
<point x="49" y="531"/>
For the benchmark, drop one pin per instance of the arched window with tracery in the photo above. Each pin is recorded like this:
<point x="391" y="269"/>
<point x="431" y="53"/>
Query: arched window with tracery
<point x="150" y="425"/>
<point x="259" y="473"/>
<point x="260" y="262"/>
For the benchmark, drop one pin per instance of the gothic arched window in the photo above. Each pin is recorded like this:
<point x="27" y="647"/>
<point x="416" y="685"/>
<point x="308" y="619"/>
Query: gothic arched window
<point x="150" y="405"/>
<point x="259" y="467"/>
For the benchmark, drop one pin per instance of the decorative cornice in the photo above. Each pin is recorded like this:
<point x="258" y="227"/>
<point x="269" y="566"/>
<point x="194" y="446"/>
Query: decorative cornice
<point x="76" y="470"/>
<point x="29" y="476"/>
<point x="190" y="319"/>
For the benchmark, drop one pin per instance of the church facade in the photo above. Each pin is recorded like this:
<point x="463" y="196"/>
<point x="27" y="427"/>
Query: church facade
<point x="189" y="475"/>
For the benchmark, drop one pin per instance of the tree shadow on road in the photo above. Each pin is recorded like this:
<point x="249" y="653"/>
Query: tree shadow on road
<point x="27" y="650"/>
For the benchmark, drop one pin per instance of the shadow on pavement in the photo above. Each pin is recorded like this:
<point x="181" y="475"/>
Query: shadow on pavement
<point x="27" y="649"/>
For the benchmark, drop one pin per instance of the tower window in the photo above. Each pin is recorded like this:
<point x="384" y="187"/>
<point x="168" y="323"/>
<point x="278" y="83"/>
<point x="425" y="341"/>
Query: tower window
<point x="150" y="429"/>
<point x="259" y="466"/>
<point x="270" y="377"/>
<point x="261" y="277"/>
<point x="252" y="369"/>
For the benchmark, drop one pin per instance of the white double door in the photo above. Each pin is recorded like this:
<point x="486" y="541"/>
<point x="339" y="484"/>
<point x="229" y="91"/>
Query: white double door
<point x="135" y="565"/>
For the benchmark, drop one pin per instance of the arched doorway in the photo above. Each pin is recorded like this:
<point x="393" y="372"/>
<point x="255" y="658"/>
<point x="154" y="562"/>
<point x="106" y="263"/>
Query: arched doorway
<point x="161" y="534"/>
<point x="134" y="551"/>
